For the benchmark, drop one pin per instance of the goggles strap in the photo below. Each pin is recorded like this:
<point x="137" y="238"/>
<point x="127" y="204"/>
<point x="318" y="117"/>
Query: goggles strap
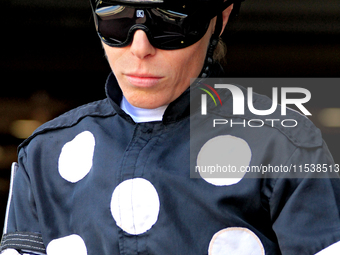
<point x="209" y="60"/>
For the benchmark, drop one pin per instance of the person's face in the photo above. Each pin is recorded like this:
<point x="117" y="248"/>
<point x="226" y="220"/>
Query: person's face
<point x="150" y="77"/>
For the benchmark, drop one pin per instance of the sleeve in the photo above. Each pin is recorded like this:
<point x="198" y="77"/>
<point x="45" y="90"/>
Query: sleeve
<point x="21" y="228"/>
<point x="305" y="211"/>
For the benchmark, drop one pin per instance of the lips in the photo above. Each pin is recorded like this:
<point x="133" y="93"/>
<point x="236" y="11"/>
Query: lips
<point x="143" y="80"/>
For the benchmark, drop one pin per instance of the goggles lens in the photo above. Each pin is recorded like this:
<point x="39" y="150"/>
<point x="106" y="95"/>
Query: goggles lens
<point x="165" y="29"/>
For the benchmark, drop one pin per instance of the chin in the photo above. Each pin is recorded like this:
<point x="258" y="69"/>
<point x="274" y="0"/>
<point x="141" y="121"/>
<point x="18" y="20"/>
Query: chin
<point x="148" y="102"/>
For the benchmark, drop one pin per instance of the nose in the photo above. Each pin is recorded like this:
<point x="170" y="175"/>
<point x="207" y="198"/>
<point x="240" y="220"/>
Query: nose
<point x="140" y="46"/>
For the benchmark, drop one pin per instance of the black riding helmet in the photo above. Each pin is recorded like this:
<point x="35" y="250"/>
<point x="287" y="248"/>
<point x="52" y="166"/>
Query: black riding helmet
<point x="168" y="24"/>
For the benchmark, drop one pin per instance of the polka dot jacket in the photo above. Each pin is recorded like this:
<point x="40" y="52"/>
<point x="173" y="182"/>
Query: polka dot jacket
<point x="93" y="182"/>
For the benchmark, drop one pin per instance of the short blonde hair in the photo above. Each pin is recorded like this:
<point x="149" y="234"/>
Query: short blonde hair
<point x="220" y="51"/>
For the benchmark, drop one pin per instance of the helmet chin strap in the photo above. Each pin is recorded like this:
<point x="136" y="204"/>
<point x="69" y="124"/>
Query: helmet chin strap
<point x="209" y="60"/>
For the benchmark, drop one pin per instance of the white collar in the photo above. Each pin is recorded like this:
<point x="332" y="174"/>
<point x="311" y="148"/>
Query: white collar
<point x="142" y="115"/>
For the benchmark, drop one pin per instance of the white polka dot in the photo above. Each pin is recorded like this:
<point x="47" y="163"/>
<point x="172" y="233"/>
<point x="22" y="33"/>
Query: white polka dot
<point x="10" y="252"/>
<point x="75" y="160"/>
<point x="68" y="245"/>
<point x="236" y="241"/>
<point x="330" y="250"/>
<point x="135" y="206"/>
<point x="222" y="159"/>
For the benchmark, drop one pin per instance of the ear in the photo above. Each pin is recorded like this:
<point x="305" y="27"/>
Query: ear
<point x="225" y="16"/>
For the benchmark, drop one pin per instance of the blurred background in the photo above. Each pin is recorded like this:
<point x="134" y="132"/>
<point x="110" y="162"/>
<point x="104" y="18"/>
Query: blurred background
<point x="52" y="61"/>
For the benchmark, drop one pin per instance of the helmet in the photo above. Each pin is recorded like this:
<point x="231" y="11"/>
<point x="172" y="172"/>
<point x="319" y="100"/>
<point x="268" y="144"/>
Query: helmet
<point x="187" y="19"/>
<point x="214" y="6"/>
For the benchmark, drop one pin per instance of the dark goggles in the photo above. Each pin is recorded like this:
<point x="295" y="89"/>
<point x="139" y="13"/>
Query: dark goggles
<point x="165" y="29"/>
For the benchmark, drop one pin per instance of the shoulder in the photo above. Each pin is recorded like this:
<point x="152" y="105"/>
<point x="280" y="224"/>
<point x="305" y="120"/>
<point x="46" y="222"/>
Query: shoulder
<point x="101" y="108"/>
